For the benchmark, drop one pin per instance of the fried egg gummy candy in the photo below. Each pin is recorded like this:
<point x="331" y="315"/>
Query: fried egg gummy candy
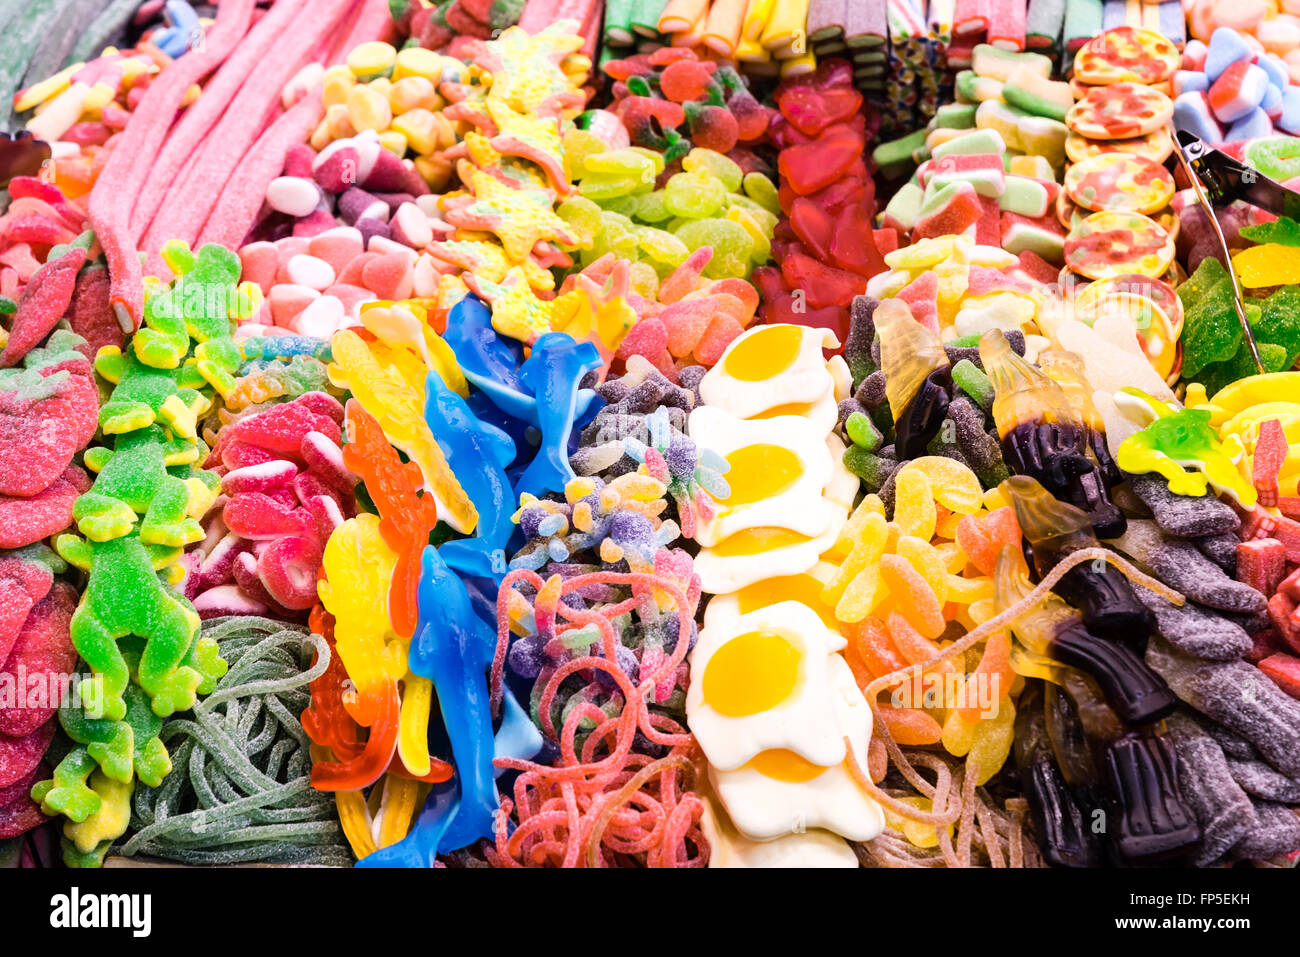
<point x="773" y="705"/>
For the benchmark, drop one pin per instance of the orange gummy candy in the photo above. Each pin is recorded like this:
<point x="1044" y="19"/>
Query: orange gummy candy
<point x="914" y="598"/>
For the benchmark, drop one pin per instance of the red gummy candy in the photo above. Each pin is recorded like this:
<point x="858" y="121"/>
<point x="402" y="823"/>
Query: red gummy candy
<point x="92" y="315"/>
<point x="638" y="112"/>
<point x="324" y="404"/>
<point x="814" y="227"/>
<point x="769" y="282"/>
<point x="466" y="25"/>
<point x="39" y="437"/>
<point x="258" y="516"/>
<point x="846" y="191"/>
<point x="22" y="585"/>
<point x="960" y="213"/>
<point x="1267" y="641"/>
<point x="685" y="80"/>
<point x="666" y="55"/>
<point x="18" y="756"/>
<point x="1270" y="453"/>
<point x="813" y="166"/>
<point x="1284" y="670"/>
<point x="42" y="305"/>
<point x="853" y="246"/>
<point x="686" y="321"/>
<point x="721" y="331"/>
<point x="1038" y="268"/>
<point x="18" y="812"/>
<point x="713" y="128"/>
<point x="281" y="428"/>
<point x="886" y="240"/>
<point x="24" y="521"/>
<point x="822" y="285"/>
<point x="43" y="647"/>
<point x="785" y="308"/>
<point x="628" y="67"/>
<point x="752" y="117"/>
<point x="288" y="568"/>
<point x="1261" y="564"/>
<point x="647" y="338"/>
<point x="812" y="108"/>
<point x="922" y="298"/>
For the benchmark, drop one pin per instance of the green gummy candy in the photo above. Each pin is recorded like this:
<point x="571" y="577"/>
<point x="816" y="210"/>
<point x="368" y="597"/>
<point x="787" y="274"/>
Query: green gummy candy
<point x="873" y="469"/>
<point x="905" y="205"/>
<point x="1202" y="282"/>
<point x="975" y="142"/>
<point x="966" y="342"/>
<point x="694" y="195"/>
<point x="955" y="116"/>
<point x="760" y="189"/>
<point x="893" y="157"/>
<point x="732" y="246"/>
<point x="1284" y="231"/>
<point x="7" y="306"/>
<point x="661" y="246"/>
<point x="863" y="432"/>
<point x="991" y="61"/>
<point x="971" y="380"/>
<point x="1038" y="95"/>
<point x="1220" y="374"/>
<point x="652" y="207"/>
<point x="972" y="88"/>
<point x="624" y="162"/>
<point x="623" y="205"/>
<point x="722" y="167"/>
<point x="601" y="187"/>
<point x="1211" y="331"/>
<point x="1279" y="322"/>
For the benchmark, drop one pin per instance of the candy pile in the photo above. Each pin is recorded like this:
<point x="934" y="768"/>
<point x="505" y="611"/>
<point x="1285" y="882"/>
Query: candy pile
<point x="1233" y="89"/>
<point x="422" y="448"/>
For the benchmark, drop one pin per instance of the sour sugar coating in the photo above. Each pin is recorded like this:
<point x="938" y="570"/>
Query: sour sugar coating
<point x="1260" y="780"/>
<point x="1223" y="810"/>
<point x="1182" y="567"/>
<point x="1276" y="832"/>
<point x="1196" y="630"/>
<point x="1237" y="695"/>
<point x="1183" y="516"/>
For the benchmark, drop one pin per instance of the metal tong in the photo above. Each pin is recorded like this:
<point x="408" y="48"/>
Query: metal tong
<point x="1218" y="180"/>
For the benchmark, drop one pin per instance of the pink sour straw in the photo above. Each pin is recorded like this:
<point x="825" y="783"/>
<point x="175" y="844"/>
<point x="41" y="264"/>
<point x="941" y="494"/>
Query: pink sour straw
<point x="192" y="132"/>
<point x="236" y="210"/>
<point x="128" y="165"/>
<point x="183" y="212"/>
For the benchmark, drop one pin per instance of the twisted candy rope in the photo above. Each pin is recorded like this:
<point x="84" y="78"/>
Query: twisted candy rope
<point x="241" y="789"/>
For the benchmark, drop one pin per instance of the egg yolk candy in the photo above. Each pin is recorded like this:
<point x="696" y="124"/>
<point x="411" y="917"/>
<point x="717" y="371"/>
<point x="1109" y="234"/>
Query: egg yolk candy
<point x="771" y="703"/>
